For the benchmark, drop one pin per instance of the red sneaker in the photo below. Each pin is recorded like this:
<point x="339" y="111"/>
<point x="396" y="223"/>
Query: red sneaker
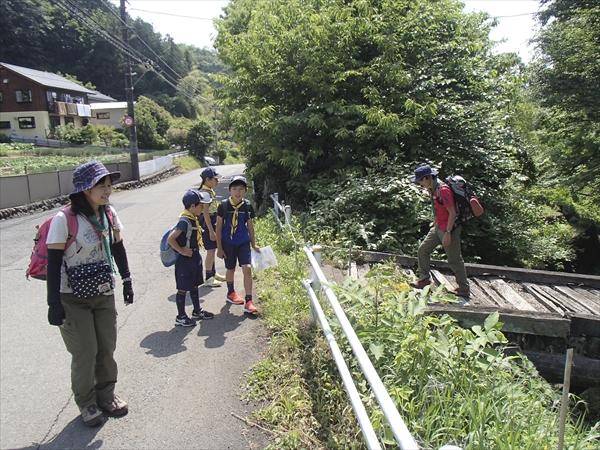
<point x="250" y="308"/>
<point x="235" y="299"/>
<point x="419" y="284"/>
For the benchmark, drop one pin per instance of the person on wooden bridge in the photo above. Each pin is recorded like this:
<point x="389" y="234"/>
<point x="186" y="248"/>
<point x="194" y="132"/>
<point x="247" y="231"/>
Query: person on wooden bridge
<point x="442" y="232"/>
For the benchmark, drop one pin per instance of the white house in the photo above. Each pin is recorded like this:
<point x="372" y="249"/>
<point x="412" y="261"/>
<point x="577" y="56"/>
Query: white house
<point x="109" y="114"/>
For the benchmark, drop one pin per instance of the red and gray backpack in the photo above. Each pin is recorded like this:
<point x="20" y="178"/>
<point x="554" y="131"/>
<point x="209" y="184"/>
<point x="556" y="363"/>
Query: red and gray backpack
<point x="466" y="204"/>
<point x="39" y="254"/>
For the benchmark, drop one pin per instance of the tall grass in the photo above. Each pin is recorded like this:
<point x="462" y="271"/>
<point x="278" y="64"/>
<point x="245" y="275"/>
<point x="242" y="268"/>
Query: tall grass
<point x="451" y="385"/>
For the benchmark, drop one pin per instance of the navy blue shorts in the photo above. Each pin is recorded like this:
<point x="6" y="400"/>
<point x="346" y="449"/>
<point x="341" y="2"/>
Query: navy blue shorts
<point x="208" y="244"/>
<point x="189" y="272"/>
<point x="236" y="253"/>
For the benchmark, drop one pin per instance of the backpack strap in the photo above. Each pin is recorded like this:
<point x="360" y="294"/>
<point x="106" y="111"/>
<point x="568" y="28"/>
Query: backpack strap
<point x="72" y="225"/>
<point x="188" y="233"/>
<point x="228" y="207"/>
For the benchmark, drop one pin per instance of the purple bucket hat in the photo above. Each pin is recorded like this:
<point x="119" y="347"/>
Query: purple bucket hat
<point x="88" y="174"/>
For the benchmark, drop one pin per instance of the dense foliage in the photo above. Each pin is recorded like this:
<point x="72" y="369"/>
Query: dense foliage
<point x="336" y="102"/>
<point x="42" y="35"/>
<point x="336" y="106"/>
<point x="564" y="128"/>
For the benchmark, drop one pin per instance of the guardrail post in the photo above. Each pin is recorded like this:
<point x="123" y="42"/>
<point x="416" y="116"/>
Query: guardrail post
<point x="316" y="284"/>
<point x="288" y="214"/>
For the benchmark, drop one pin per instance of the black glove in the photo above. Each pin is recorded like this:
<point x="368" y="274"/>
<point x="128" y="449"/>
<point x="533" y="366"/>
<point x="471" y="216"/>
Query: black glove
<point x="127" y="292"/>
<point x="56" y="312"/>
<point x="120" y="257"/>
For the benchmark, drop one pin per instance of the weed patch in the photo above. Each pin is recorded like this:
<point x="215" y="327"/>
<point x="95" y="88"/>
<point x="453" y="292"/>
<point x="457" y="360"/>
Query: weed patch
<point x="451" y="385"/>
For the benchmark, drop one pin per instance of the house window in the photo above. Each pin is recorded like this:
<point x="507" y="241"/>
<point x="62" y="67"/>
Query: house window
<point x="104" y="115"/>
<point x="54" y="121"/>
<point x="23" y="96"/>
<point x="69" y="120"/>
<point x="5" y="125"/>
<point x="51" y="96"/>
<point x="26" y="122"/>
<point x="1" y="97"/>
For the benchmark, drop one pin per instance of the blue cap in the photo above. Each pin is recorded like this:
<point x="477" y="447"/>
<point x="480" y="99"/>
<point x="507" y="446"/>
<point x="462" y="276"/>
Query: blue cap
<point x="238" y="178"/>
<point x="88" y="174"/>
<point x="194" y="196"/>
<point x="422" y="172"/>
<point x="209" y="172"/>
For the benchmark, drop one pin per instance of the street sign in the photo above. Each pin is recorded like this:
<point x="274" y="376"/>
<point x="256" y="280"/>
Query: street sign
<point x="128" y="121"/>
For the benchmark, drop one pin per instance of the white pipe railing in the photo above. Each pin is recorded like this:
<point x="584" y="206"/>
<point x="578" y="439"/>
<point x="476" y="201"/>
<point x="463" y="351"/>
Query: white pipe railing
<point x="359" y="409"/>
<point x="395" y="422"/>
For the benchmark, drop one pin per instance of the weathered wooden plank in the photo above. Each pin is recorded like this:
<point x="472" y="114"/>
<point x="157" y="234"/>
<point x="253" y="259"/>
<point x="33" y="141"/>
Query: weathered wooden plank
<point x="591" y="294"/>
<point x="511" y="296"/>
<point x="559" y="299"/>
<point x="479" y="298"/>
<point x="585" y="372"/>
<point x="511" y="273"/>
<point x="526" y="322"/>
<point x="593" y="298"/>
<point x="548" y="302"/>
<point x="492" y="294"/>
<point x="572" y="295"/>
<point x="441" y="279"/>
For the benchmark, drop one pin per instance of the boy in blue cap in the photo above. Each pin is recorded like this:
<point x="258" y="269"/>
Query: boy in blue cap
<point x="235" y="231"/>
<point x="442" y="232"/>
<point x="188" y="268"/>
<point x="208" y="222"/>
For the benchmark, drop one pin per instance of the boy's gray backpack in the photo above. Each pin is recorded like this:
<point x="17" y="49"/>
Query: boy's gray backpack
<point x="168" y="255"/>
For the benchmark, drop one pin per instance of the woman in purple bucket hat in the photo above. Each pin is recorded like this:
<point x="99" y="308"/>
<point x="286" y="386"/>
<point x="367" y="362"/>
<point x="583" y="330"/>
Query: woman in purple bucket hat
<point x="84" y="246"/>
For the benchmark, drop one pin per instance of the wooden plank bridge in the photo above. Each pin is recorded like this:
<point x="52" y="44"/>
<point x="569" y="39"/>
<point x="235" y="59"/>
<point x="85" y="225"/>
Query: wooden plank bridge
<point x="543" y="312"/>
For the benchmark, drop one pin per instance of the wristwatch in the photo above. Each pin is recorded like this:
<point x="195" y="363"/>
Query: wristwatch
<point x="448" y="232"/>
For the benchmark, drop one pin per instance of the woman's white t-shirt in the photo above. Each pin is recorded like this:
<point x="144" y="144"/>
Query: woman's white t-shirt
<point x="86" y="249"/>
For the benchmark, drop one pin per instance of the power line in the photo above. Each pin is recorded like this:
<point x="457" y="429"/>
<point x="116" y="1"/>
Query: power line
<point x="169" y="14"/>
<point x="179" y="77"/>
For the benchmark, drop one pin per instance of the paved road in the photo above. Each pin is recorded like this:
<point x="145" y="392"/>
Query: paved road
<point x="182" y="384"/>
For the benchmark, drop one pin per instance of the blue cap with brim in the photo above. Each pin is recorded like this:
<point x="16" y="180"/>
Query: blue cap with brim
<point x="194" y="196"/>
<point x="422" y="172"/>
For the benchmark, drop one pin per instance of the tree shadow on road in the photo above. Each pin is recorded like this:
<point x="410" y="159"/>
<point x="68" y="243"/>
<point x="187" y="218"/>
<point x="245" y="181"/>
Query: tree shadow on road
<point x="224" y="322"/>
<point x="166" y="343"/>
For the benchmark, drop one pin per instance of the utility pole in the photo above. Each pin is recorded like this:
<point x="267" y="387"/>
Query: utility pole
<point x="216" y="133"/>
<point x="135" y="168"/>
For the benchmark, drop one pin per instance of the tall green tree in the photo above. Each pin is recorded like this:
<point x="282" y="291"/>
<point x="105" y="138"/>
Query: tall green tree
<point x="152" y="123"/>
<point x="565" y="129"/>
<point x="334" y="96"/>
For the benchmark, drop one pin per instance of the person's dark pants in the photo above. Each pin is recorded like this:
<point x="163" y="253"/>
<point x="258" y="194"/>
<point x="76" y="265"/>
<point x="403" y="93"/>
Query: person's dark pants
<point x="90" y="335"/>
<point x="453" y="252"/>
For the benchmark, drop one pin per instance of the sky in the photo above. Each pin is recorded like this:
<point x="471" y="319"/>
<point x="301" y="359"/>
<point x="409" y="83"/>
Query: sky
<point x="190" y="21"/>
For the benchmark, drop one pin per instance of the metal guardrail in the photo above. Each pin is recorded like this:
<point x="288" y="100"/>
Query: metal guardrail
<point x="316" y="284"/>
<point x="395" y="422"/>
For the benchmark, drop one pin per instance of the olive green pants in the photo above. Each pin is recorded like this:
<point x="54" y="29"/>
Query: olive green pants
<point x="90" y="335"/>
<point x="455" y="260"/>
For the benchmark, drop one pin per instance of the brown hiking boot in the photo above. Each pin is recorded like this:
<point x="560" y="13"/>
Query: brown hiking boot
<point x="92" y="415"/>
<point x="116" y="407"/>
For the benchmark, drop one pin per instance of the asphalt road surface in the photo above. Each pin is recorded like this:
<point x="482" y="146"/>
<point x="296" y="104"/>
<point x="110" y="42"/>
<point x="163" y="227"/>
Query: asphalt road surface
<point x="182" y="384"/>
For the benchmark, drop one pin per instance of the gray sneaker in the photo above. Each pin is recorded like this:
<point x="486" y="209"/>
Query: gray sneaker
<point x="92" y="415"/>
<point x="116" y="407"/>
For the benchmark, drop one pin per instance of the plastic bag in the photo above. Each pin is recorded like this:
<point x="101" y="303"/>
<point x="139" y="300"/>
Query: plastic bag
<point x="263" y="260"/>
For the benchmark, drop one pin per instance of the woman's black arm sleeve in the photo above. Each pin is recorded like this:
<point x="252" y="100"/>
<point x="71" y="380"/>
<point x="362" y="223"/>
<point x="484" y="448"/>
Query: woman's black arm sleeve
<point x="56" y="312"/>
<point x="120" y="257"/>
